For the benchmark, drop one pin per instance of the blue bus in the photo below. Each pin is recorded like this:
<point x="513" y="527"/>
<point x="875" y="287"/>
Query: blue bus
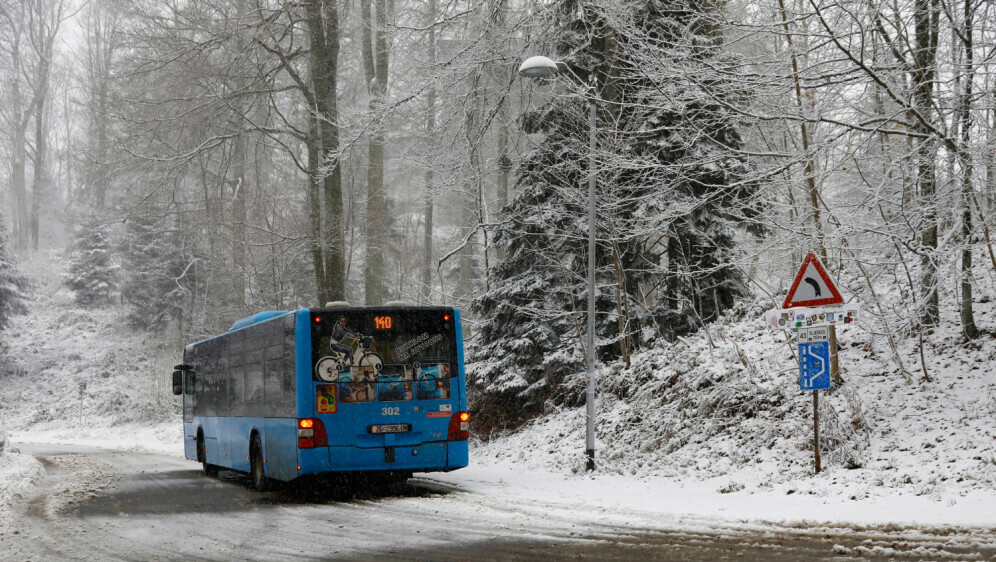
<point x="286" y="394"/>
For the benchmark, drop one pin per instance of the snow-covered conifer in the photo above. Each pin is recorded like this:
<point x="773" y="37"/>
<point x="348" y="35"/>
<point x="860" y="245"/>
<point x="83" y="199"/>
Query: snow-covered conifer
<point x="670" y="197"/>
<point x="160" y="273"/>
<point x="13" y="284"/>
<point x="92" y="272"/>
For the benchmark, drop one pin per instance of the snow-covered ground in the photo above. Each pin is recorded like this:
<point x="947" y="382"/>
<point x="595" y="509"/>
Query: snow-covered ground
<point x="709" y="427"/>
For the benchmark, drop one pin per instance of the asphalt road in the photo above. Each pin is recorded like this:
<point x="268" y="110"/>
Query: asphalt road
<point x="97" y="504"/>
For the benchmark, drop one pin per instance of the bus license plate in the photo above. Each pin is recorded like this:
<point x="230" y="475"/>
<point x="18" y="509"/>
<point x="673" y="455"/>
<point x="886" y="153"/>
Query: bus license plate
<point x="391" y="428"/>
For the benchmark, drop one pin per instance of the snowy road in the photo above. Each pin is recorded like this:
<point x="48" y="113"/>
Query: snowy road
<point x="97" y="504"/>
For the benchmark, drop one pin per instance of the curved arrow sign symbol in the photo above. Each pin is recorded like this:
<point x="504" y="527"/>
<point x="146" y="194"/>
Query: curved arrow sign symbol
<point x="816" y="286"/>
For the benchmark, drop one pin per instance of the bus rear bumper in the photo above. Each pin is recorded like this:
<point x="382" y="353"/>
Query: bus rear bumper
<point x="427" y="457"/>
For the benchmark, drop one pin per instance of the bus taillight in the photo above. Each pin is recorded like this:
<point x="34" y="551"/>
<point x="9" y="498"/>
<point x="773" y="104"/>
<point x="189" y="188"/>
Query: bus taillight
<point x="311" y="434"/>
<point x="459" y="426"/>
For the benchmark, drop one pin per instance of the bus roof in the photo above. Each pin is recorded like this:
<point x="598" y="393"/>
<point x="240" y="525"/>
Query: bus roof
<point x="271" y="314"/>
<point x="258" y="317"/>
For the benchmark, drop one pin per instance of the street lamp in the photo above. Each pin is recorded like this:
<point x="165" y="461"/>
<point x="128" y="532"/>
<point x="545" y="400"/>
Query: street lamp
<point x="541" y="67"/>
<point x="538" y="67"/>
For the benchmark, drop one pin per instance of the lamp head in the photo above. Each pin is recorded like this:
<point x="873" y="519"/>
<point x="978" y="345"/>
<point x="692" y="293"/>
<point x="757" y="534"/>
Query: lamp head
<point x="537" y="67"/>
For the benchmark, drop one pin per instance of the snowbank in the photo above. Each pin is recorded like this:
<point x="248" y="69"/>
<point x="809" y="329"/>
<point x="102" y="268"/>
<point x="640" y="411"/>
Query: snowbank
<point x="46" y="355"/>
<point x="18" y="476"/>
<point x="813" y="502"/>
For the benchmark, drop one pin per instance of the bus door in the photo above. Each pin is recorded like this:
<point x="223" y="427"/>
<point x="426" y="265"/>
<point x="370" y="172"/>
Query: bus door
<point x="189" y="396"/>
<point x="184" y="383"/>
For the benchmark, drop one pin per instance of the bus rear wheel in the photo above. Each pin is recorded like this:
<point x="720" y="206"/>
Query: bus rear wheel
<point x="259" y="479"/>
<point x="209" y="469"/>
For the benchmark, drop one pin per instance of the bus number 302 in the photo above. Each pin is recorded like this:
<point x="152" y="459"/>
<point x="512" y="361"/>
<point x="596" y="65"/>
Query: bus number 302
<point x="390" y="411"/>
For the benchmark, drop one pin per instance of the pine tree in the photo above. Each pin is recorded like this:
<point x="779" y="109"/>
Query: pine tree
<point x="92" y="272"/>
<point x="670" y="199"/>
<point x="694" y="189"/>
<point x="161" y="273"/>
<point x="528" y="339"/>
<point x="13" y="285"/>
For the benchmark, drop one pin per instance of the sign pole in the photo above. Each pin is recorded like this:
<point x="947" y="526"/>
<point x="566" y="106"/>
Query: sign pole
<point x="82" y="388"/>
<point x="816" y="427"/>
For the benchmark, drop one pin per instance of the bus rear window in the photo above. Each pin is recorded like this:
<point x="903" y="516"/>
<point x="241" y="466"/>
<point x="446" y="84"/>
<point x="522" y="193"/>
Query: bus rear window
<point x="385" y="355"/>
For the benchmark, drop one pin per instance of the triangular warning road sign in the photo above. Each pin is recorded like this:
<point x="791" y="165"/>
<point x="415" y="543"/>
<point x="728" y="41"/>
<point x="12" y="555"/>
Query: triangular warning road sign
<point x="812" y="286"/>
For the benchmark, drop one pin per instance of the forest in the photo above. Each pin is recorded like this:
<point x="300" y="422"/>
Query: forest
<point x="194" y="162"/>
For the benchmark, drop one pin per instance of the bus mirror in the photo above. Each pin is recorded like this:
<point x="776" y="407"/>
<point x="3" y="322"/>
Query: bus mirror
<point x="191" y="382"/>
<point x="177" y="382"/>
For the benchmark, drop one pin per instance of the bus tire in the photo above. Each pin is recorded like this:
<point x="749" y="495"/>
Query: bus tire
<point x="256" y="472"/>
<point x="209" y="469"/>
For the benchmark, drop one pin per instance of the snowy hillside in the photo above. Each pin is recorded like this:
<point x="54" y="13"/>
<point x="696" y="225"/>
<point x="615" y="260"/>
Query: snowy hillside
<point x="49" y="352"/>
<point x="730" y="408"/>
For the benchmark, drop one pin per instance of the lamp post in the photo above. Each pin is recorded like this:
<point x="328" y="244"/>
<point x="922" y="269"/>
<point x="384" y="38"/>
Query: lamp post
<point x="540" y="67"/>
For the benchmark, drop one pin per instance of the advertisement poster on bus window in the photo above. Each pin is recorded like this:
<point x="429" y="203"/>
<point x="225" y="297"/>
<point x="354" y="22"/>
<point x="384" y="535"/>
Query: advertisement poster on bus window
<point x="385" y="357"/>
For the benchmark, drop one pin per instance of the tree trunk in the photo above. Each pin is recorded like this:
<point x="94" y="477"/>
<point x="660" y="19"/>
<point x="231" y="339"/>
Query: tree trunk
<point x="21" y="117"/>
<point x="315" y="211"/>
<point x="102" y="20"/>
<point x="66" y="159"/>
<point x="19" y="182"/>
<point x="470" y="198"/>
<point x="103" y="146"/>
<point x="964" y="155"/>
<point x="240" y="190"/>
<point x="926" y="24"/>
<point x="501" y="74"/>
<point x="39" y="184"/>
<point x="375" y="64"/>
<point x="327" y="225"/>
<point x="430" y="128"/>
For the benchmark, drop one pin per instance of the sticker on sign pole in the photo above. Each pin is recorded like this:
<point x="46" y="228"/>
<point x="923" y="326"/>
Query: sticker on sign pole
<point x="812" y="286"/>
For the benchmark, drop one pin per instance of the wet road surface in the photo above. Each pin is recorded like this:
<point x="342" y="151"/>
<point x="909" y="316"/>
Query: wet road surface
<point x="97" y="504"/>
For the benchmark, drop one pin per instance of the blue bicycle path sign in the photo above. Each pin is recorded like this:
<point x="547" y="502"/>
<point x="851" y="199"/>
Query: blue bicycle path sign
<point x="814" y="365"/>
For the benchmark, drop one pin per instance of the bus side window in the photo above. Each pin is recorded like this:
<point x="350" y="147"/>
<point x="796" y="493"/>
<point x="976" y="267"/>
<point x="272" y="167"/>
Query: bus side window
<point x="290" y="359"/>
<point x="237" y="384"/>
<point x="254" y="390"/>
<point x="191" y="382"/>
